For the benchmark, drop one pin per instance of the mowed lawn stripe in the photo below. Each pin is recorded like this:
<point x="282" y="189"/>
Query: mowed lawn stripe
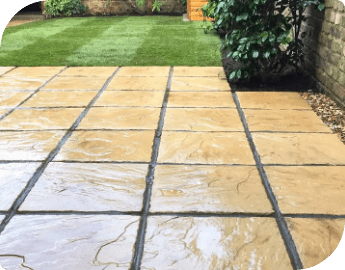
<point x="116" y="46"/>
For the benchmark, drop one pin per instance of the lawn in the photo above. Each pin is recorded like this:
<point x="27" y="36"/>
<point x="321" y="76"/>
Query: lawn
<point x="110" y="41"/>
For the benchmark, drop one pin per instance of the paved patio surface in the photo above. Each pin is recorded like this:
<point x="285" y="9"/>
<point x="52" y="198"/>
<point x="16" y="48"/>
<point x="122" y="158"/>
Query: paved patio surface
<point x="162" y="168"/>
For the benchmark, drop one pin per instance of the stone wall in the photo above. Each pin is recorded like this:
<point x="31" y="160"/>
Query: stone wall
<point x="129" y="7"/>
<point x="325" y="48"/>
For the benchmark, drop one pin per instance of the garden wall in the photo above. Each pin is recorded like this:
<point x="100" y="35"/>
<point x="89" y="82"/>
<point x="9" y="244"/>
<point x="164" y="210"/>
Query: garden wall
<point x="325" y="48"/>
<point x="129" y="7"/>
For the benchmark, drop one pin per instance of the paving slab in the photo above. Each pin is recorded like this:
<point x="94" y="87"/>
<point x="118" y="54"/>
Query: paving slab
<point x="187" y="172"/>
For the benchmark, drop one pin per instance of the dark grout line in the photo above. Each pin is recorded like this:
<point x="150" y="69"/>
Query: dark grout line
<point x="139" y="243"/>
<point x="284" y="230"/>
<point x="213" y="214"/>
<point x="32" y="94"/>
<point x="39" y="171"/>
<point x="315" y="216"/>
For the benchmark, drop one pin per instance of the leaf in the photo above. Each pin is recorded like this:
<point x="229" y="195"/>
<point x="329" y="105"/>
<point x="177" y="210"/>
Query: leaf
<point x="232" y="75"/>
<point x="267" y="54"/>
<point x="243" y="40"/>
<point x="239" y="72"/>
<point x="255" y="54"/>
<point x="321" y="7"/>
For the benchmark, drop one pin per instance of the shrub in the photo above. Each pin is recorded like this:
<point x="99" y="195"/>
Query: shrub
<point x="64" y="7"/>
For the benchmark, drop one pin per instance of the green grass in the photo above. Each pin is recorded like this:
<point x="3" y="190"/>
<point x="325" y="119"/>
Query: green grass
<point x="110" y="41"/>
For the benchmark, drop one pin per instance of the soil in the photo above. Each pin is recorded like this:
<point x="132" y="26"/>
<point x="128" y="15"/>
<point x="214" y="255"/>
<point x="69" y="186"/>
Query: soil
<point x="332" y="114"/>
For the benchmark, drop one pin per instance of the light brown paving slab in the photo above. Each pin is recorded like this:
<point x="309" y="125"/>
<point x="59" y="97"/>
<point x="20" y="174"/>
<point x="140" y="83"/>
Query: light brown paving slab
<point x="89" y="71"/>
<point x="308" y="189"/>
<point x="3" y="70"/>
<point x="131" y="98"/>
<point x="201" y="99"/>
<point x="108" y="146"/>
<point x="3" y="111"/>
<point x="139" y="83"/>
<point x="315" y="239"/>
<point x="12" y="99"/>
<point x="272" y="100"/>
<point x="10" y="83"/>
<point x="198" y="71"/>
<point x="204" y="119"/>
<point x="121" y="118"/>
<point x="208" y="189"/>
<point x="34" y="72"/>
<point x="88" y="187"/>
<point x="199" y="84"/>
<point x="19" y="22"/>
<point x="213" y="243"/>
<point x="69" y="242"/>
<point x="13" y="179"/>
<point x="76" y="83"/>
<point x="284" y="120"/>
<point x="60" y="99"/>
<point x="299" y="148"/>
<point x="144" y="71"/>
<point x="28" y="145"/>
<point x="39" y="119"/>
<point x="202" y="148"/>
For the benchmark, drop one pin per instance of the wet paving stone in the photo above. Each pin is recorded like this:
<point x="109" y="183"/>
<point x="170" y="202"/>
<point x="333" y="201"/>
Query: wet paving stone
<point x="40" y="119"/>
<point x="3" y="70"/>
<point x="198" y="71"/>
<point x="89" y="71"/>
<point x="285" y="120"/>
<point x="299" y="148"/>
<point x="272" y="100"/>
<point x="315" y="239"/>
<point x="139" y="83"/>
<point x="60" y="99"/>
<point x="213" y="243"/>
<point x="201" y="99"/>
<point x="11" y="84"/>
<point x="312" y="189"/>
<point x="28" y="145"/>
<point x="154" y="71"/>
<point x="12" y="99"/>
<point x="108" y="146"/>
<point x="68" y="242"/>
<point x="13" y="179"/>
<point x="121" y="118"/>
<point x="202" y="148"/>
<point x="222" y="189"/>
<point x="76" y="83"/>
<point x="88" y="187"/>
<point x="131" y="98"/>
<point x="204" y="119"/>
<point x="199" y="84"/>
<point x="34" y="72"/>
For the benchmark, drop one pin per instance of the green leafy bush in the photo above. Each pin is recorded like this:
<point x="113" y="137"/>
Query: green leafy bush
<point x="64" y="7"/>
<point x="262" y="35"/>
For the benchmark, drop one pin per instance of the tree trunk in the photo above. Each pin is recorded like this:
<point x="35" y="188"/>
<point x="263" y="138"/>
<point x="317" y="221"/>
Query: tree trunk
<point x="149" y="5"/>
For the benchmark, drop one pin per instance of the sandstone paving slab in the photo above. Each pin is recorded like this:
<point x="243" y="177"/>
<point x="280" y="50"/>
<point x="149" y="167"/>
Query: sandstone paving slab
<point x="89" y="71"/>
<point x="285" y="120"/>
<point x="299" y="148"/>
<point x="3" y="112"/>
<point x="34" y="72"/>
<point x="3" y="70"/>
<point x="108" y="146"/>
<point x="68" y="242"/>
<point x="12" y="99"/>
<point x="28" y="145"/>
<point x="205" y="148"/>
<point x="221" y="189"/>
<point x="11" y="84"/>
<point x="40" y="119"/>
<point x="315" y="239"/>
<point x="76" y="83"/>
<point x="120" y="118"/>
<point x="198" y="71"/>
<point x="308" y="189"/>
<point x="13" y="179"/>
<point x="199" y="84"/>
<point x="154" y="71"/>
<point x="131" y="99"/>
<point x="88" y="187"/>
<point x="272" y="100"/>
<point x="201" y="99"/>
<point x="60" y="99"/>
<point x="202" y="119"/>
<point x="139" y="83"/>
<point x="213" y="243"/>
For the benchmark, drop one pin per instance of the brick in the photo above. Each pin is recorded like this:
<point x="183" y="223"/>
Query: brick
<point x="341" y="64"/>
<point x="339" y="91"/>
<point x="336" y="47"/>
<point x="330" y="15"/>
<point x="343" y="21"/>
<point x="337" y="19"/>
<point x="341" y="80"/>
<point x="335" y="31"/>
<point x="329" y="3"/>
